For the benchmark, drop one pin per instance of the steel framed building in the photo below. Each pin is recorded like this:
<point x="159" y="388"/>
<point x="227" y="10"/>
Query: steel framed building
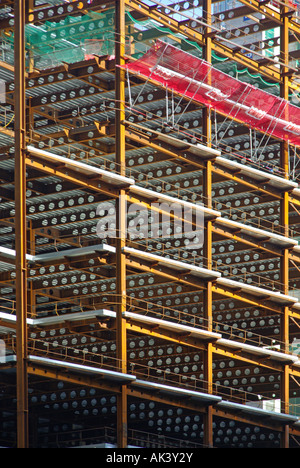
<point x="114" y="338"/>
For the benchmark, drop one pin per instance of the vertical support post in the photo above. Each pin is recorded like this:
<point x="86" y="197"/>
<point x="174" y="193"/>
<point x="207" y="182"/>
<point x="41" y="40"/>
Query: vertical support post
<point x="29" y="11"/>
<point x="284" y="322"/>
<point x="207" y="248"/>
<point x="20" y="224"/>
<point x="121" y="220"/>
<point x="284" y="221"/>
<point x="207" y="310"/>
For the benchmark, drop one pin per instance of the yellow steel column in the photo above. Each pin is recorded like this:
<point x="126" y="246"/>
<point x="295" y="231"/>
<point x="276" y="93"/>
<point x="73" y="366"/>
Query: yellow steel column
<point x="20" y="224"/>
<point x="207" y="248"/>
<point x="284" y="221"/>
<point x="121" y="221"/>
<point x="29" y="11"/>
<point x="31" y="296"/>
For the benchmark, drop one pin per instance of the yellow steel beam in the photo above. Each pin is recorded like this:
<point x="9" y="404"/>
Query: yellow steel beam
<point x="188" y="279"/>
<point x="72" y="176"/>
<point x="153" y="396"/>
<point x="151" y="330"/>
<point x="88" y="381"/>
<point x="188" y="404"/>
<point x="173" y="153"/>
<point x="67" y="376"/>
<point x="248" y="299"/>
<point x="249" y="241"/>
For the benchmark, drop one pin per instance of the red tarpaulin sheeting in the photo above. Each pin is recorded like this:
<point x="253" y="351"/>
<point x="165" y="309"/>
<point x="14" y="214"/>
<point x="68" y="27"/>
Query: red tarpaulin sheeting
<point x="198" y="80"/>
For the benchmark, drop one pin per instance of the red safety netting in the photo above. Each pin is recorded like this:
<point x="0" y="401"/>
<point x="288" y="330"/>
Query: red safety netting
<point x="198" y="80"/>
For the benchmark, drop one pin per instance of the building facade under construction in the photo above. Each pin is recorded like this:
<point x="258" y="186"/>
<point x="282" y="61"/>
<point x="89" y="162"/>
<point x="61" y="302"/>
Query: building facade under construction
<point x="149" y="224"/>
